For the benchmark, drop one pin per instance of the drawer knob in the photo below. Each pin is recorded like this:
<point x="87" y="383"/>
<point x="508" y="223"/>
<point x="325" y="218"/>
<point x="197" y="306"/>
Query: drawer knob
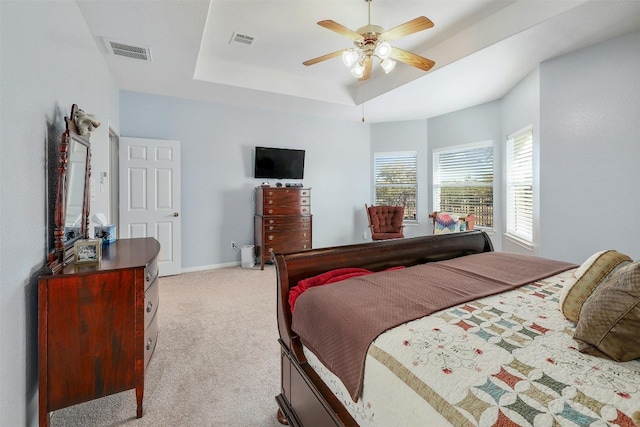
<point x="304" y="234"/>
<point x="305" y="201"/>
<point x="304" y="209"/>
<point x="149" y="342"/>
<point x="270" y="237"/>
<point x="271" y="228"/>
<point x="270" y="202"/>
<point x="270" y="211"/>
<point x="149" y="307"/>
<point x="304" y="246"/>
<point x="270" y="221"/>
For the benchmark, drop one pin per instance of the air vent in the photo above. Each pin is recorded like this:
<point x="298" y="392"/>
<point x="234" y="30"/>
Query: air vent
<point x="128" y="50"/>
<point x="241" y="38"/>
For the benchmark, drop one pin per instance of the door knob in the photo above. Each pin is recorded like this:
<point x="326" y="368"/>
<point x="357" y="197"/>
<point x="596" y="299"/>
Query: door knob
<point x="176" y="214"/>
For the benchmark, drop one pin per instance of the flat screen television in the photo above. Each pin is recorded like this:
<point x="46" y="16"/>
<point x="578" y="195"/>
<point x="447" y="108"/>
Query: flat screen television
<point x="279" y="163"/>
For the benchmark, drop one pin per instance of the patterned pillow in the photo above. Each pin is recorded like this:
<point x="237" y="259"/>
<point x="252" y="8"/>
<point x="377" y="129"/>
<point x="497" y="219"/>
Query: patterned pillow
<point x="591" y="274"/>
<point x="446" y="223"/>
<point x="610" y="321"/>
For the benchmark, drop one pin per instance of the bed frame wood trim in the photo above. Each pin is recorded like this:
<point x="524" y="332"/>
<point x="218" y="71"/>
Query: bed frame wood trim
<point x="304" y="400"/>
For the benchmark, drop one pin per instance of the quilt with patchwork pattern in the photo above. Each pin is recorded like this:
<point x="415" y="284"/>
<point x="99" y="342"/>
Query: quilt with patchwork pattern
<point x="504" y="360"/>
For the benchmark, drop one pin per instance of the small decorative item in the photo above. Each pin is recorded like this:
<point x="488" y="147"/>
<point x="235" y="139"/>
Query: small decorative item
<point x="107" y="233"/>
<point x="87" y="251"/>
<point x="85" y="122"/>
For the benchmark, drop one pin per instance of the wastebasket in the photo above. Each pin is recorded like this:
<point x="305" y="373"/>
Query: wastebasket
<point x="247" y="256"/>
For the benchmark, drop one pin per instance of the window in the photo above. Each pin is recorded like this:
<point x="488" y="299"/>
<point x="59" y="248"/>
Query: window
<point x="520" y="185"/>
<point x="395" y="180"/>
<point x="463" y="181"/>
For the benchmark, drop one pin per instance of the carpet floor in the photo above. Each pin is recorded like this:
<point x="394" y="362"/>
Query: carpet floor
<point x="217" y="359"/>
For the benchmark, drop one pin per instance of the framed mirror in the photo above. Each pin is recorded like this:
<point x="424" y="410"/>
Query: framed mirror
<point x="71" y="212"/>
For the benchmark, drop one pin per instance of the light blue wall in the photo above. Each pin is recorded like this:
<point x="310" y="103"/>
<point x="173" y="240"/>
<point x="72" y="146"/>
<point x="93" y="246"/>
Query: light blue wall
<point x="590" y="151"/>
<point x="48" y="62"/>
<point x="217" y="169"/>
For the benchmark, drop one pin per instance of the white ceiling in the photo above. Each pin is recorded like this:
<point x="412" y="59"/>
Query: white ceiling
<point x="482" y="48"/>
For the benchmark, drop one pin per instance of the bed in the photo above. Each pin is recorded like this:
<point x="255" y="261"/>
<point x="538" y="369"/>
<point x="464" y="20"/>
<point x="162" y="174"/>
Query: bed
<point x="506" y="357"/>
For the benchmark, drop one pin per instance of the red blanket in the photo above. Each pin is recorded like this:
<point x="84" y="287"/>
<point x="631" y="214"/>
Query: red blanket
<point x="338" y="322"/>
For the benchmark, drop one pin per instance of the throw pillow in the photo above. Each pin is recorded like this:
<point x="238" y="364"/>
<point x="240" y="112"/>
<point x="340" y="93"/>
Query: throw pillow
<point x="592" y="273"/>
<point x="610" y="321"/>
<point x="446" y="223"/>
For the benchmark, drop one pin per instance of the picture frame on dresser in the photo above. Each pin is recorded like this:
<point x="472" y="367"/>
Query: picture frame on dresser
<point x="87" y="251"/>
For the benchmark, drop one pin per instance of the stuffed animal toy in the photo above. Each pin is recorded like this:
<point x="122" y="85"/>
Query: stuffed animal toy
<point x="85" y="122"/>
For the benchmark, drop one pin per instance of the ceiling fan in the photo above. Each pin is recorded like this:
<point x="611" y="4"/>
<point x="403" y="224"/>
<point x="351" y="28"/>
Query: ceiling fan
<point x="373" y="41"/>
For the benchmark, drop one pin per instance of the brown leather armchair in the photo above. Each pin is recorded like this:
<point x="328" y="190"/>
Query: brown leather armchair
<point x="385" y="221"/>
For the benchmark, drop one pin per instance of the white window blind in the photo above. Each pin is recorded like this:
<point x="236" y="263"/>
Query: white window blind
<point x="520" y="185"/>
<point x="395" y="180"/>
<point x="463" y="181"/>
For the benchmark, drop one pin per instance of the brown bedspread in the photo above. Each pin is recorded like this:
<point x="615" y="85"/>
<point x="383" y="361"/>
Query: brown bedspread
<point x="339" y="321"/>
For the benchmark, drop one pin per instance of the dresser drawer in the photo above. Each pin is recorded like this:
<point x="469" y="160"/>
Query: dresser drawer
<point x="286" y="223"/>
<point x="274" y="237"/>
<point x="286" y="199"/>
<point x="150" y="273"/>
<point x="151" y="301"/>
<point x="284" y="247"/>
<point x="284" y="193"/>
<point x="286" y="210"/>
<point x="150" y="339"/>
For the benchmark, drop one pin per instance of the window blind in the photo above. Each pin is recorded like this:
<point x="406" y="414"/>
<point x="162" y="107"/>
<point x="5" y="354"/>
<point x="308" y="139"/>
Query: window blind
<point x="520" y="185"/>
<point x="395" y="180"/>
<point x="463" y="181"/>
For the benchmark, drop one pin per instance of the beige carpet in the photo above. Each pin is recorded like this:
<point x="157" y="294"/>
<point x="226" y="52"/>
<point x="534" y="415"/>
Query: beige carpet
<point x="217" y="361"/>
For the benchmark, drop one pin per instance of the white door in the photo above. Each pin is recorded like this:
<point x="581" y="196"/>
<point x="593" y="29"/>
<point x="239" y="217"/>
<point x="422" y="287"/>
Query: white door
<point x="150" y="196"/>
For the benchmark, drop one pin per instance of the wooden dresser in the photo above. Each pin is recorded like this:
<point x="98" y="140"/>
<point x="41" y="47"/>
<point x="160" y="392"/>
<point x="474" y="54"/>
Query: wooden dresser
<point x="97" y="326"/>
<point x="282" y="221"/>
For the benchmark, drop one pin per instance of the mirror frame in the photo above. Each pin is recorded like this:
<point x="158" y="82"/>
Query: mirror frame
<point x="63" y="250"/>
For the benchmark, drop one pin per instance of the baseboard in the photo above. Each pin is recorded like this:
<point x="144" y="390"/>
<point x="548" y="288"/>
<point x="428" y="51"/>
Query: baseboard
<point x="210" y="267"/>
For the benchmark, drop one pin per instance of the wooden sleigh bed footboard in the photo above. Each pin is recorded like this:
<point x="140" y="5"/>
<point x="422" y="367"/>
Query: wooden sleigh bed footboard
<point x="304" y="400"/>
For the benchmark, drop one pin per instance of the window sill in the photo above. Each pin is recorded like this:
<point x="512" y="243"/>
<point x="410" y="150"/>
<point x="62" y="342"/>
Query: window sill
<point x="518" y="241"/>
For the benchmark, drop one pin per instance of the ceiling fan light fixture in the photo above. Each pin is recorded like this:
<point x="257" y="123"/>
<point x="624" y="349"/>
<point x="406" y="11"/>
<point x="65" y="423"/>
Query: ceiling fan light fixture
<point x="349" y="57"/>
<point x="383" y="50"/>
<point x="388" y="65"/>
<point x="358" y="70"/>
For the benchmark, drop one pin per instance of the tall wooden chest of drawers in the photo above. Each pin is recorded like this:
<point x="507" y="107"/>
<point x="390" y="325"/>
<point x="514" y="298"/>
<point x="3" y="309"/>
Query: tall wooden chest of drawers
<point x="282" y="221"/>
<point x="98" y="326"/>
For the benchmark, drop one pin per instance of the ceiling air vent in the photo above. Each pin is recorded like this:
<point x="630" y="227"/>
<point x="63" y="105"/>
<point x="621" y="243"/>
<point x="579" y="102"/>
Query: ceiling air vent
<point x="128" y="50"/>
<point x="241" y="38"/>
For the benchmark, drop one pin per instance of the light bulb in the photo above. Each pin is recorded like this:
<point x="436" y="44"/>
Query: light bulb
<point x="383" y="50"/>
<point x="357" y="71"/>
<point x="388" y="65"/>
<point x="349" y="57"/>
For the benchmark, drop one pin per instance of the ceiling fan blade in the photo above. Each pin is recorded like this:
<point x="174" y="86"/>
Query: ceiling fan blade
<point x="411" y="59"/>
<point x="340" y="29"/>
<point x="368" y="64"/>
<point x="418" y="24"/>
<point x="324" y="57"/>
